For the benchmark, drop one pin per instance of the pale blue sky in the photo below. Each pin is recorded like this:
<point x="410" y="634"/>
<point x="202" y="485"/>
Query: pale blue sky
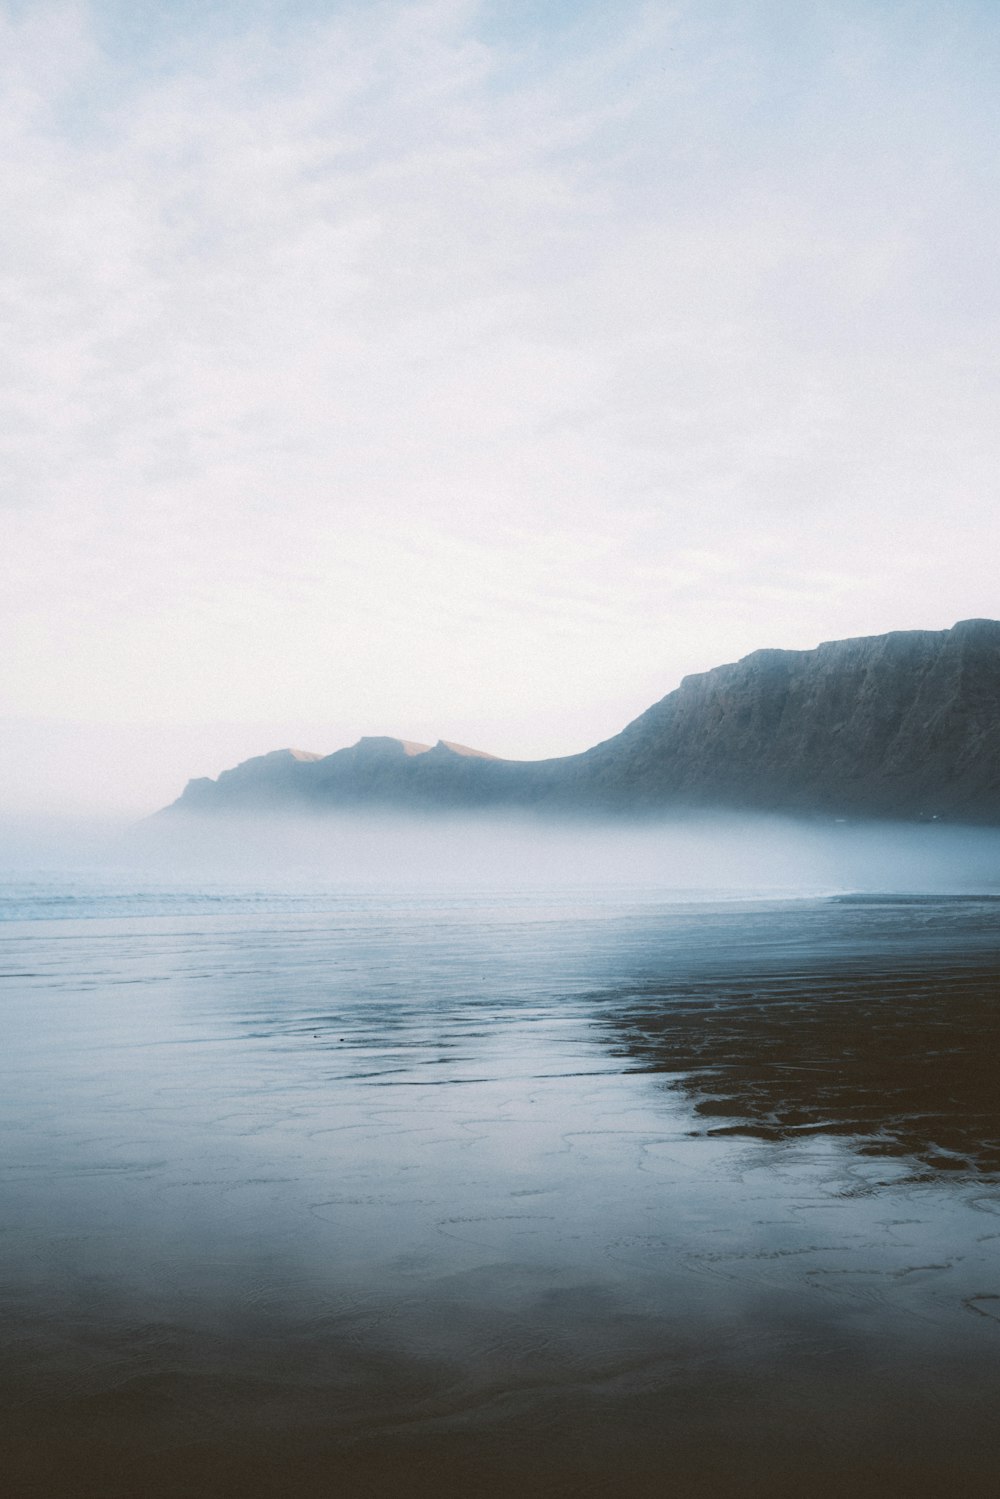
<point x="475" y="370"/>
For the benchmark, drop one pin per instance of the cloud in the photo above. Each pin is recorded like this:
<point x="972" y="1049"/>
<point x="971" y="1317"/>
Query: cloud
<point x="399" y="362"/>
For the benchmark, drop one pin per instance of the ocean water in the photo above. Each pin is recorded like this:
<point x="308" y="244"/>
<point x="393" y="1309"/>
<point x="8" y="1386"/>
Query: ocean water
<point x="307" y="1191"/>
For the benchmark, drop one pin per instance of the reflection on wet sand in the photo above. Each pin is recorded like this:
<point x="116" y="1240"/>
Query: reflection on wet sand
<point x="899" y="1065"/>
<point x="697" y="1202"/>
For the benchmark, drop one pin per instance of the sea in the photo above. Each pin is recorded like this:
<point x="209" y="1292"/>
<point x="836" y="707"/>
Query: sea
<point x="559" y="1190"/>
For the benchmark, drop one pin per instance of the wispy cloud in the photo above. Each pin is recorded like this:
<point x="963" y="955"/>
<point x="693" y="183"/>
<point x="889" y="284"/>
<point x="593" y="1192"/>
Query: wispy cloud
<point x="406" y="362"/>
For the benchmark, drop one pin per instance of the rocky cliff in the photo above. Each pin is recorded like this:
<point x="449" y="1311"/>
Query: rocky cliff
<point x="905" y="725"/>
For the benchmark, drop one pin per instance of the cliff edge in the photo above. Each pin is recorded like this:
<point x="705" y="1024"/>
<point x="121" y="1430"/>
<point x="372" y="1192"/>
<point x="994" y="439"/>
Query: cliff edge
<point x="904" y="725"/>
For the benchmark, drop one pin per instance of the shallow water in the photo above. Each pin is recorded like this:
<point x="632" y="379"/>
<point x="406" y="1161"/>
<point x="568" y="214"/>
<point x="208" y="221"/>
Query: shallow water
<point x="306" y="1193"/>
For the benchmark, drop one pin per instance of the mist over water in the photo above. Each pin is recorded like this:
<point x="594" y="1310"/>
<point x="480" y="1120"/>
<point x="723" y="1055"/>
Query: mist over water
<point x="378" y="1156"/>
<point x="697" y="854"/>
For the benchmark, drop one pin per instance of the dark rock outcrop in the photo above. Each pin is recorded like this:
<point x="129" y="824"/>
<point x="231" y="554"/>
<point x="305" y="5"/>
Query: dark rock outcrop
<point x="905" y="725"/>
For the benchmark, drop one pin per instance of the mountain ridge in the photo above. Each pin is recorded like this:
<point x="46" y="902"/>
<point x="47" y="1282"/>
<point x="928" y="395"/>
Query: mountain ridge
<point x="901" y="725"/>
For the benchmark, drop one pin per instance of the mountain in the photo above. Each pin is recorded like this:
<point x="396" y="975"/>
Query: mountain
<point x="904" y="725"/>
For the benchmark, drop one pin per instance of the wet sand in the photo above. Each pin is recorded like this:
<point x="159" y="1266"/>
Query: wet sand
<point x="476" y="1197"/>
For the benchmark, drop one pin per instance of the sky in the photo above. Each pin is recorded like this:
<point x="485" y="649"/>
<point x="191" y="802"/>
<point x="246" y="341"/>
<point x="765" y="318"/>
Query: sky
<point x="475" y="370"/>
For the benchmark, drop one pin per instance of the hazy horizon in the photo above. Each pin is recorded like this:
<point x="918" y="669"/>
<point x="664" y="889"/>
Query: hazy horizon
<point x="697" y="856"/>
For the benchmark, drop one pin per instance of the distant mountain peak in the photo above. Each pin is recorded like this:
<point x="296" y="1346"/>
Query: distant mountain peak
<point x="387" y="744"/>
<point x="382" y="743"/>
<point x="463" y="749"/>
<point x="902" y="725"/>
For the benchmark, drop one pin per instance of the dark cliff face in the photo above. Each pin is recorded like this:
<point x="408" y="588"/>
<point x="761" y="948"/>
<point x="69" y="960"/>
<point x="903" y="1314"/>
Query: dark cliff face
<point x="906" y="724"/>
<point x="903" y="725"/>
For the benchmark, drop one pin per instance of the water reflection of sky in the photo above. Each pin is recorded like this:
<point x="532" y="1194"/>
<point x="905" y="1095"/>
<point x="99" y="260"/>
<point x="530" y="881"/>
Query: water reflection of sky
<point x="495" y="1191"/>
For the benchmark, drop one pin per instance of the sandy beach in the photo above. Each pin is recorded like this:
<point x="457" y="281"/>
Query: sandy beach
<point x="431" y="1195"/>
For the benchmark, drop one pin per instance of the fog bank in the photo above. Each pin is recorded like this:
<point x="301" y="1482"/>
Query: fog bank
<point x="702" y="855"/>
